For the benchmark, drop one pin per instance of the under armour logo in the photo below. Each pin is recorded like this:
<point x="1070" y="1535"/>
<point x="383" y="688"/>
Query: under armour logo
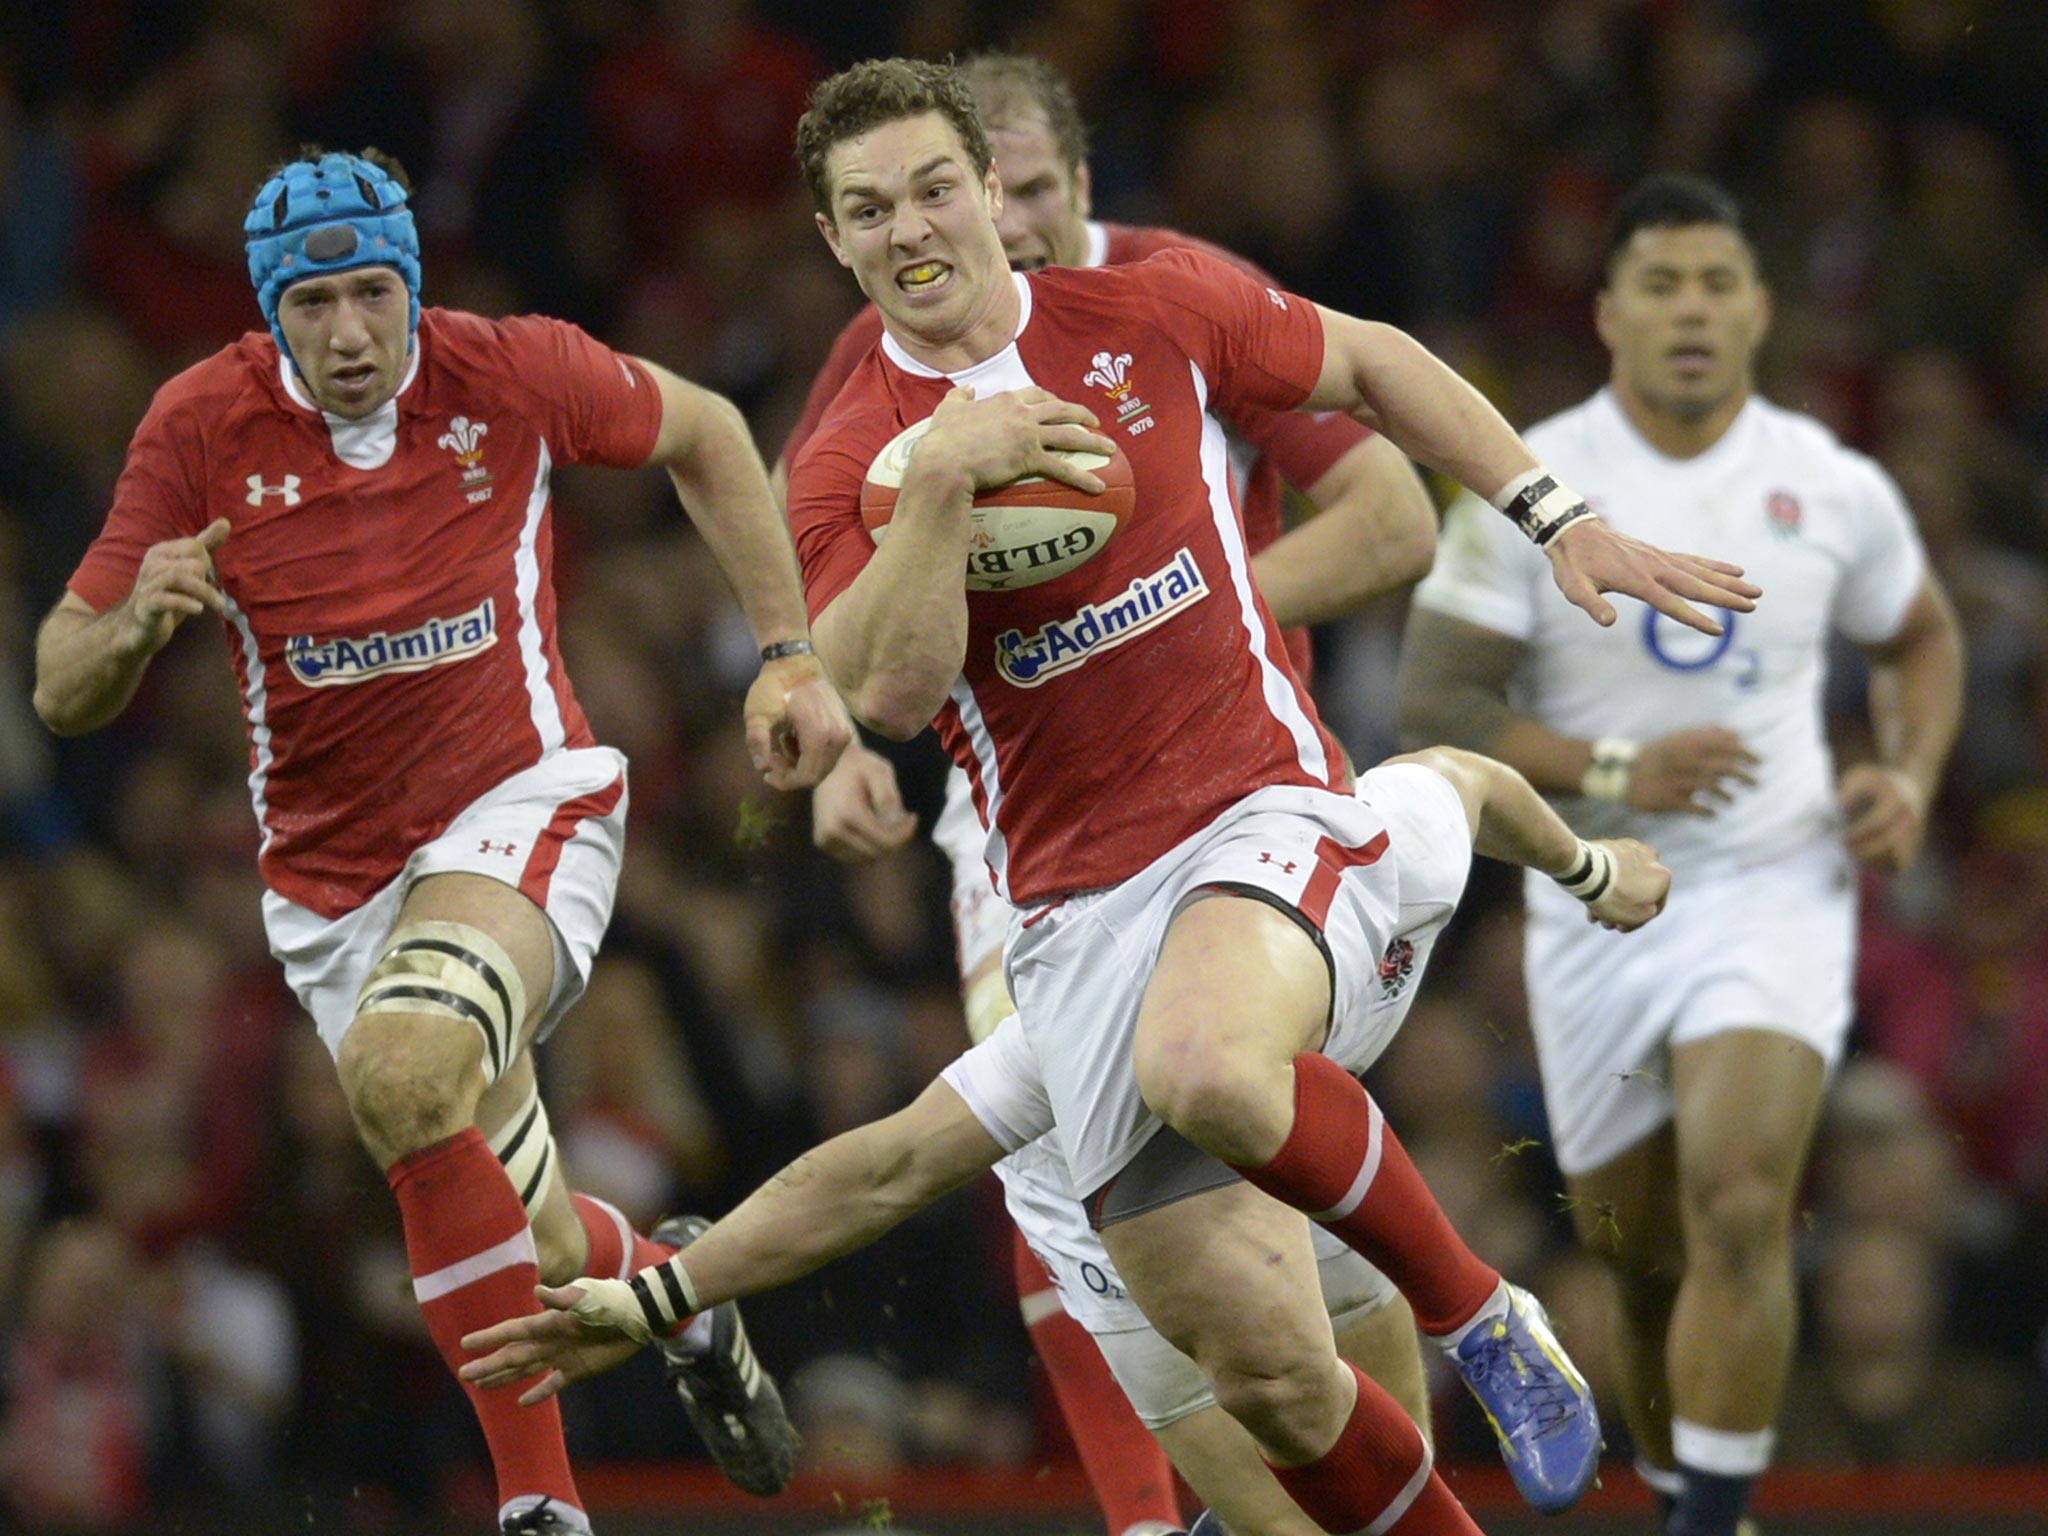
<point x="1286" y="868"/>
<point x="289" y="490"/>
<point x="507" y="849"/>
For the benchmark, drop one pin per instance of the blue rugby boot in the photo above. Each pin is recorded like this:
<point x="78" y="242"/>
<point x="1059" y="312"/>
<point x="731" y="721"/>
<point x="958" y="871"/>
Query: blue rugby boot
<point x="1539" y="1405"/>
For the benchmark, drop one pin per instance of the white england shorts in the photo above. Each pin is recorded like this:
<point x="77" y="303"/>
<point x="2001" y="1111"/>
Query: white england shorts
<point x="1771" y="946"/>
<point x="556" y="832"/>
<point x="1368" y="873"/>
<point x="1162" y="1384"/>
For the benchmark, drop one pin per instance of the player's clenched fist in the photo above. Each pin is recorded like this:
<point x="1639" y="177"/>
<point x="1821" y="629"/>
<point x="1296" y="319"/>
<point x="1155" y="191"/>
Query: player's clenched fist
<point x="174" y="582"/>
<point x="857" y="810"/>
<point x="1639" y="888"/>
<point x="797" y="725"/>
<point x="1884" y="815"/>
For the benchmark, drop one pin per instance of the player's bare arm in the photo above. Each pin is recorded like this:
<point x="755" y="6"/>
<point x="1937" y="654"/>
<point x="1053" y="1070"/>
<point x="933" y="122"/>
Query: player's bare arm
<point x="1454" y="689"/>
<point x="836" y="1198"/>
<point x="1916" y="693"/>
<point x="796" y="724"/>
<point x="1619" y="879"/>
<point x="1389" y="380"/>
<point x="895" y="639"/>
<point x="1374" y="532"/>
<point x="88" y="663"/>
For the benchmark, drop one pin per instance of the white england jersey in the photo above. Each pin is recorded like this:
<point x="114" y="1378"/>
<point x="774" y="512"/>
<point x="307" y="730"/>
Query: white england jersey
<point x="1820" y="527"/>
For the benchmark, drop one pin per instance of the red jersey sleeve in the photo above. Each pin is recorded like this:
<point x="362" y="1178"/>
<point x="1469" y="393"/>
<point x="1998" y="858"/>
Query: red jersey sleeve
<point x="854" y="343"/>
<point x="1303" y="445"/>
<point x="833" y="545"/>
<point x="1261" y="348"/>
<point x="593" y="404"/>
<point x="158" y="497"/>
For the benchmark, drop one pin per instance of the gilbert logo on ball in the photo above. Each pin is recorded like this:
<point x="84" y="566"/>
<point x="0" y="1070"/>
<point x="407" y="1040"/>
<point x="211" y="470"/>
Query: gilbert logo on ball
<point x="1032" y="530"/>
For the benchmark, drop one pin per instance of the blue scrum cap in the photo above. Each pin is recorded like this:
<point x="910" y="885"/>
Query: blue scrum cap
<point x="333" y="214"/>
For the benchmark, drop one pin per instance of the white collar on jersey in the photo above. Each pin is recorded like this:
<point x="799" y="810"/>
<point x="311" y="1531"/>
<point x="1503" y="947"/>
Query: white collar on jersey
<point x="1732" y="442"/>
<point x="365" y="444"/>
<point x="893" y="349"/>
<point x="1098" y="244"/>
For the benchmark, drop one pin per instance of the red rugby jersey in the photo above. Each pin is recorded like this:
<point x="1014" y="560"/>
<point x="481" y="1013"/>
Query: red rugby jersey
<point x="1104" y="716"/>
<point x="391" y="612"/>
<point x="1268" y="447"/>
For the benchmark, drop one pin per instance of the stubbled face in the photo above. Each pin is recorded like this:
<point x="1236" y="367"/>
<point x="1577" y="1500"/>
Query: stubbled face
<point x="1683" y="314"/>
<point x="1044" y="222"/>
<point x="348" y="334"/>
<point x="916" y="225"/>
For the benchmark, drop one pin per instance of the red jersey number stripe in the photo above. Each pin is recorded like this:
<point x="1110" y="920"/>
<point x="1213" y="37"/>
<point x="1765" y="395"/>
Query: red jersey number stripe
<point x="547" y="853"/>
<point x="1332" y="859"/>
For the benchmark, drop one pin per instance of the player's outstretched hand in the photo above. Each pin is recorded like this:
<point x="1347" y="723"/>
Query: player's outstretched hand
<point x="174" y="582"/>
<point x="1639" y="890"/>
<point x="585" y="1332"/>
<point x="797" y="724"/>
<point x="1690" y="771"/>
<point x="857" y="809"/>
<point x="1885" y="814"/>
<point x="1590" y="558"/>
<point x="1016" y="433"/>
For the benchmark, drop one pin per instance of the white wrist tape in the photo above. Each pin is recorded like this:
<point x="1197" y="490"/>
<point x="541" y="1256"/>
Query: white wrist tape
<point x="1591" y="873"/>
<point x="666" y="1297"/>
<point x="1541" y="507"/>
<point x="1613" y="765"/>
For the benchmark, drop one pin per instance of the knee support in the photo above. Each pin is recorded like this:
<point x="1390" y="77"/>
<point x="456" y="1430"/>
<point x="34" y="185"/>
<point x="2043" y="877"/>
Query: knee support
<point x="526" y="1146"/>
<point x="457" y="972"/>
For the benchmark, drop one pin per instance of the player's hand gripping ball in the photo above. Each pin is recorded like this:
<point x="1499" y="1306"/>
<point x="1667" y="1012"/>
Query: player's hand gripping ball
<point x="1023" y="533"/>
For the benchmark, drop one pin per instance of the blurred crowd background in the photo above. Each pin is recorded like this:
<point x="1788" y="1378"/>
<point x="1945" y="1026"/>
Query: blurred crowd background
<point x="203" y="1295"/>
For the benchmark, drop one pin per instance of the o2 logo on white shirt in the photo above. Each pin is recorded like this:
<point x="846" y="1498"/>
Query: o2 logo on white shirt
<point x="1681" y="649"/>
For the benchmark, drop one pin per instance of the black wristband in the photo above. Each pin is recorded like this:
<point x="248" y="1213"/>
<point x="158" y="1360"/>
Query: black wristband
<point x="782" y="648"/>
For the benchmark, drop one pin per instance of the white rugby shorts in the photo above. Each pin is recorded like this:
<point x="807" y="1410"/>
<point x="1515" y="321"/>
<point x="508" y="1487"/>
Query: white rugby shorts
<point x="1162" y="1383"/>
<point x="1771" y="946"/>
<point x="556" y="832"/>
<point x="1375" y="875"/>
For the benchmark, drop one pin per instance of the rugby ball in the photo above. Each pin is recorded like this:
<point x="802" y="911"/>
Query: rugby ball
<point x="1029" y="531"/>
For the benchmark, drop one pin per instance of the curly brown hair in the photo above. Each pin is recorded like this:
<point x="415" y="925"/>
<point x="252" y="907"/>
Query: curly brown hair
<point x="880" y="91"/>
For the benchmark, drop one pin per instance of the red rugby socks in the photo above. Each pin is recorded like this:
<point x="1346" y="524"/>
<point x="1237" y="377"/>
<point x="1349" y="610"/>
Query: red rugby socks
<point x="1344" y="1167"/>
<point x="1377" y="1477"/>
<point x="473" y="1265"/>
<point x="618" y="1251"/>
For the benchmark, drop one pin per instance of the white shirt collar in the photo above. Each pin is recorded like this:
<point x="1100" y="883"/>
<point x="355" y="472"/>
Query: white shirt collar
<point x="1098" y="245"/>
<point x="894" y="350"/>
<point x="370" y="442"/>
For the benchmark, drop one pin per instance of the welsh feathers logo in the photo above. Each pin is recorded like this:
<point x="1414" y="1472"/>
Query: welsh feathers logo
<point x="465" y="439"/>
<point x="1112" y="375"/>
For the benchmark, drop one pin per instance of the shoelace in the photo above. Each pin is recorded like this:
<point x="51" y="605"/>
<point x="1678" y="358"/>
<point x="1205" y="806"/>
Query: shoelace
<point x="1500" y="1366"/>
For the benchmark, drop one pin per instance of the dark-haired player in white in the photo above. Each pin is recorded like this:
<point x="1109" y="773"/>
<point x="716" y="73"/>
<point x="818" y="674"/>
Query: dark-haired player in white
<point x="1683" y="1071"/>
<point x="362" y="493"/>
